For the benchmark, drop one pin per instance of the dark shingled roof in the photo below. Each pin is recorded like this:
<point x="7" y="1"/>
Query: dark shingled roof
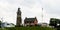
<point x="29" y="19"/>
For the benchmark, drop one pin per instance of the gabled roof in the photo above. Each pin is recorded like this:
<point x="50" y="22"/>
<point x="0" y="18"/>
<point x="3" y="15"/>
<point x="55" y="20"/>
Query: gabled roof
<point x="30" y="19"/>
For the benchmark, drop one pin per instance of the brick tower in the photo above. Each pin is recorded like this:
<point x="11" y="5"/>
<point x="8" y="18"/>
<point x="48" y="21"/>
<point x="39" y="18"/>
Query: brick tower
<point x="19" y="21"/>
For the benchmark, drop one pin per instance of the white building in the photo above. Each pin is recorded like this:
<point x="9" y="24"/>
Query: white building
<point x="7" y="25"/>
<point x="43" y="24"/>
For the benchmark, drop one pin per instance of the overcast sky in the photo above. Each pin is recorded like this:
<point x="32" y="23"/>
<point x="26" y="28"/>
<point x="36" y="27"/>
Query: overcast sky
<point x="29" y="8"/>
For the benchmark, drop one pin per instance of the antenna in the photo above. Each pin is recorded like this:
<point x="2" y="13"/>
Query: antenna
<point x="42" y="15"/>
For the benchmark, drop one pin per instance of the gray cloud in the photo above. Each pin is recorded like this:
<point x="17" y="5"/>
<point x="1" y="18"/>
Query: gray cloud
<point x="51" y="6"/>
<point x="29" y="8"/>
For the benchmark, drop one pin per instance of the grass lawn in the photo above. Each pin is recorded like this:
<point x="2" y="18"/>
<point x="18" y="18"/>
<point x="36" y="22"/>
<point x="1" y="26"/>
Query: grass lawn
<point x="28" y="28"/>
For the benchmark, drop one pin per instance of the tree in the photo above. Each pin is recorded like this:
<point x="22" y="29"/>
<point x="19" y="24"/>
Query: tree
<point x="53" y="22"/>
<point x="0" y="24"/>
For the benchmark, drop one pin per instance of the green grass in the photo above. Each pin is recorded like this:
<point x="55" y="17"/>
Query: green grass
<point x="28" y="28"/>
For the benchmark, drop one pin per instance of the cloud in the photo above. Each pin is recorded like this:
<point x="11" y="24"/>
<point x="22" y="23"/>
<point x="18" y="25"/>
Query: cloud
<point x="8" y="11"/>
<point x="29" y="8"/>
<point x="51" y="6"/>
